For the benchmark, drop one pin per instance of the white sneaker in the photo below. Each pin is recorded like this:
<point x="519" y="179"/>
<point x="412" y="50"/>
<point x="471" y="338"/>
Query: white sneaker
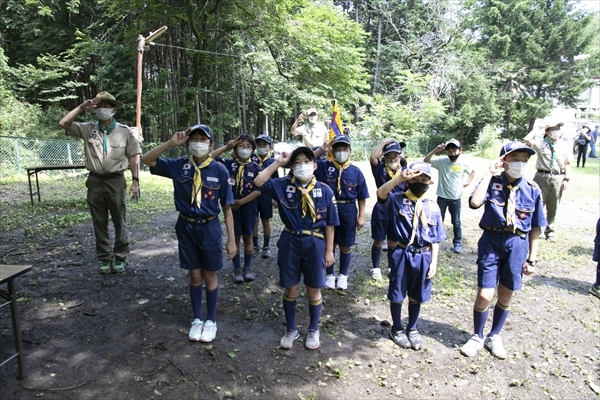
<point x="312" y="340"/>
<point x="495" y="346"/>
<point x="342" y="282"/>
<point x="287" y="341"/>
<point x="471" y="348"/>
<point x="209" y="332"/>
<point x="376" y="274"/>
<point x="196" y="330"/>
<point x="330" y="282"/>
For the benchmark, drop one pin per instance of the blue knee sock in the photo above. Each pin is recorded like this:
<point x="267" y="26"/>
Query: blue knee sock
<point x="267" y="241"/>
<point x="345" y="260"/>
<point x="314" y="310"/>
<point x="255" y="241"/>
<point x="247" y="260"/>
<point x="236" y="261"/>
<point x="211" y="304"/>
<point x="329" y="270"/>
<point x="479" y="318"/>
<point x="413" y="315"/>
<point x="196" y="299"/>
<point x="289" y="309"/>
<point x="375" y="256"/>
<point x="396" y="310"/>
<point x="597" y="275"/>
<point x="499" y="318"/>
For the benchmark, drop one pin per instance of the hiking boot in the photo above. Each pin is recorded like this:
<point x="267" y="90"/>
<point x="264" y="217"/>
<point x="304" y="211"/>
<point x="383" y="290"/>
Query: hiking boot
<point x="330" y="282"/>
<point x="266" y="252"/>
<point x="376" y="274"/>
<point x="196" y="330"/>
<point x="415" y="339"/>
<point x="255" y="251"/>
<point x="248" y="275"/>
<point x="495" y="346"/>
<point x="342" y="282"/>
<point x="287" y="341"/>
<point x="400" y="338"/>
<point x="237" y="276"/>
<point x="312" y="340"/>
<point x="457" y="248"/>
<point x="119" y="266"/>
<point x="471" y="348"/>
<point x="209" y="332"/>
<point x="595" y="290"/>
<point x="105" y="267"/>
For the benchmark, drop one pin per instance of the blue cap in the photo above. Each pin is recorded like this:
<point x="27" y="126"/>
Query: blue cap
<point x="307" y="151"/>
<point x="516" y="146"/>
<point x="266" y="138"/>
<point x="391" y="147"/>
<point x="423" y="166"/>
<point x="340" y="139"/>
<point x="453" y="142"/>
<point x="205" y="129"/>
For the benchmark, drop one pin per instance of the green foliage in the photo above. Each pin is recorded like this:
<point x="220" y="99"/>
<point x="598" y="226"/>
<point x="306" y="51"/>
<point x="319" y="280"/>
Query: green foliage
<point x="489" y="142"/>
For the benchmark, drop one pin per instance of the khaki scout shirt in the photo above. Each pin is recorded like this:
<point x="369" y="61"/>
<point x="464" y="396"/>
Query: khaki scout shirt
<point x="544" y="154"/>
<point x="312" y="136"/>
<point x="121" y="145"/>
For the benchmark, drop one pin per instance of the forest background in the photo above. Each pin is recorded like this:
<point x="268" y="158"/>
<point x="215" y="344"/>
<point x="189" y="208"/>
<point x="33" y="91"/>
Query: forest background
<point x="410" y="69"/>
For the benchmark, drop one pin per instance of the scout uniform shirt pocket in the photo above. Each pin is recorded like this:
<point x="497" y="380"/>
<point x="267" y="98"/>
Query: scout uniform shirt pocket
<point x="349" y="186"/>
<point x="210" y="188"/>
<point x="116" y="151"/>
<point x="524" y="212"/>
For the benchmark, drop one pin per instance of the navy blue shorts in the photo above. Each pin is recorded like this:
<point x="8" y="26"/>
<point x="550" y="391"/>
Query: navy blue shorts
<point x="244" y="219"/>
<point x="265" y="207"/>
<point x="500" y="258"/>
<point x="379" y="222"/>
<point x="200" y="245"/>
<point x="596" y="256"/>
<point x="301" y="255"/>
<point x="407" y="275"/>
<point x="345" y="232"/>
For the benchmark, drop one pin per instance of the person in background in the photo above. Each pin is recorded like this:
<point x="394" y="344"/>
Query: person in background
<point x="110" y="149"/>
<point x="595" y="289"/>
<point x="582" y="140"/>
<point x="314" y="133"/>
<point x="594" y="135"/>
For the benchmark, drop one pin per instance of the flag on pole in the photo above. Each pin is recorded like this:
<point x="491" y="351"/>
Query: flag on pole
<point x="336" y="127"/>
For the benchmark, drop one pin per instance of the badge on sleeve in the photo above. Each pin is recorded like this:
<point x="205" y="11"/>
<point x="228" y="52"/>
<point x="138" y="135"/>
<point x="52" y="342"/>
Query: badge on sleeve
<point x="187" y="166"/>
<point x="231" y="181"/>
<point x="94" y="134"/>
<point x="331" y="169"/>
<point x="290" y="189"/>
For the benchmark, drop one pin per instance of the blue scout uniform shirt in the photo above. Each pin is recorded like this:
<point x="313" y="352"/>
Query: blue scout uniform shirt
<point x="381" y="176"/>
<point x="264" y="164"/>
<point x="215" y="189"/>
<point x="401" y="210"/>
<point x="352" y="184"/>
<point x="252" y="170"/>
<point x="283" y="191"/>
<point x="529" y="209"/>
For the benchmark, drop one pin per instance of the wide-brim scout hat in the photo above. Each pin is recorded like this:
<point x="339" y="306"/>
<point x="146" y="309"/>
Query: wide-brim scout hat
<point x="307" y="151"/>
<point x="451" y="143"/>
<point x="424" y="167"/>
<point x="202" y="129"/>
<point x="340" y="139"/>
<point x="392" y="147"/>
<point x="311" y="111"/>
<point x="552" y="122"/>
<point x="265" y="138"/>
<point x="516" y="146"/>
<point x="109" y="98"/>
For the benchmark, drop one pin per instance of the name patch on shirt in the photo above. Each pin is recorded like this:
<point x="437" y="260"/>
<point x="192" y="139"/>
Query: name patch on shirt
<point x="251" y="174"/>
<point x="317" y="193"/>
<point x="290" y="189"/>
<point x="212" y="179"/>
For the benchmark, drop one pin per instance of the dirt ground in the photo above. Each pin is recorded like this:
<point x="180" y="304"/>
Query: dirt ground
<point x="92" y="336"/>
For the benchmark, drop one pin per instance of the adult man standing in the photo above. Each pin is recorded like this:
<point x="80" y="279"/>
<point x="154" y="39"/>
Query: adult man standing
<point x="594" y="135"/>
<point x="313" y="133"/>
<point x="110" y="148"/>
<point x="450" y="184"/>
<point x="553" y="167"/>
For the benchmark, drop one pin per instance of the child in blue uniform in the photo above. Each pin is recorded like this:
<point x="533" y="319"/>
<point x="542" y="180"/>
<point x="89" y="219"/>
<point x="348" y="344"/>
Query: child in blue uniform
<point x="507" y="248"/>
<point x="307" y="210"/>
<point x="199" y="184"/>
<point x="348" y="184"/>
<point x="265" y="204"/>
<point x="595" y="289"/>
<point x="415" y="230"/>
<point x="383" y="170"/>
<point x="242" y="171"/>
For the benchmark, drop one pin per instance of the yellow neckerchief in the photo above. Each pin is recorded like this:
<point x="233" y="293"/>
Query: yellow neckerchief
<point x="419" y="214"/>
<point x="307" y="201"/>
<point x="262" y="160"/>
<point x="197" y="183"/>
<point x="239" y="179"/>
<point x="341" y="168"/>
<point x="511" y="207"/>
<point x="391" y="173"/>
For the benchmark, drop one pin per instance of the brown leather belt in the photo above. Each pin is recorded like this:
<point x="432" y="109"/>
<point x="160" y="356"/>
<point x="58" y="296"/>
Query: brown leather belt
<point x="412" y="249"/>
<point x="543" y="171"/>
<point x="506" y="229"/>
<point x="106" y="176"/>
<point x="196" y="220"/>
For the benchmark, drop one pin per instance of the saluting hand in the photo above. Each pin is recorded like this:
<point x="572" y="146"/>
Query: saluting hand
<point x="90" y="104"/>
<point x="284" y="158"/>
<point x="497" y="166"/>
<point x="325" y="147"/>
<point x="180" y="138"/>
<point x="440" y="147"/>
<point x="409" y="174"/>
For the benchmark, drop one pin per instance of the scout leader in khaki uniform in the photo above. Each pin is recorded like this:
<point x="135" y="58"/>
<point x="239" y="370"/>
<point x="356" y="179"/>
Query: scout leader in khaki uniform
<point x="110" y="149"/>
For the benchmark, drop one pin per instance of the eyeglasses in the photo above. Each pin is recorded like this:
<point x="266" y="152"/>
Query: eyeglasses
<point x="391" y="159"/>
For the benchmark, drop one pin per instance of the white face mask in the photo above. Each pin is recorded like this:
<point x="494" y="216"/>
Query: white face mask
<point x="104" y="114"/>
<point x="341" y="156"/>
<point x="516" y="169"/>
<point x="199" y="149"/>
<point x="312" y="119"/>
<point x="262" y="151"/>
<point x="393" y="165"/>
<point x="304" y="172"/>
<point x="555" y="134"/>
<point x="244" y="154"/>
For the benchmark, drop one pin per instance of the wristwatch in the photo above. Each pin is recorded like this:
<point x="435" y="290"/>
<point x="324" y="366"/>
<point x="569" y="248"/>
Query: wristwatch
<point x="532" y="263"/>
<point x="135" y="178"/>
<point x="566" y="179"/>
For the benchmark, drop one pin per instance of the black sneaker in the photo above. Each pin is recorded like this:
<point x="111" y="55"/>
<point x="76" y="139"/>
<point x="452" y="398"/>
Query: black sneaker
<point x="400" y="338"/>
